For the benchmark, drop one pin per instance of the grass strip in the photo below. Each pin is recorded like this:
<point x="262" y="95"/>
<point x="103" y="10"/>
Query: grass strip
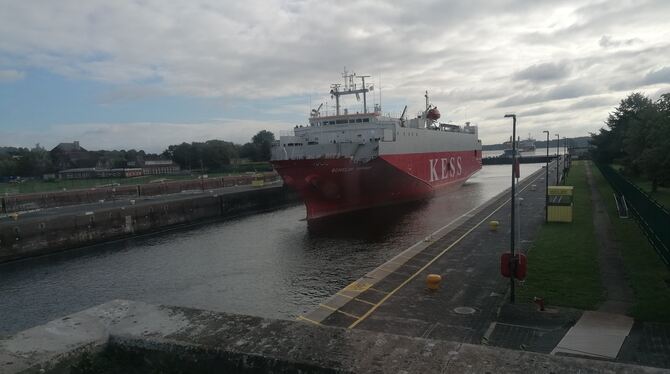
<point x="33" y="186"/>
<point x="562" y="263"/>
<point x="646" y="273"/>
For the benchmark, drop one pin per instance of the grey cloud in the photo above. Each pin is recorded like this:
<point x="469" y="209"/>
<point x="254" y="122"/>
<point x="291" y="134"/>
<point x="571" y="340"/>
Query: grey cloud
<point x="607" y="41"/>
<point x="652" y="77"/>
<point x="465" y="53"/>
<point x="593" y="102"/>
<point x="567" y="91"/>
<point x="658" y="76"/>
<point x="544" y="72"/>
<point x="541" y="110"/>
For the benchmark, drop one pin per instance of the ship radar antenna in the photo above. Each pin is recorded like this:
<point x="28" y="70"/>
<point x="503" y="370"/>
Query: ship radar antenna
<point x="350" y="88"/>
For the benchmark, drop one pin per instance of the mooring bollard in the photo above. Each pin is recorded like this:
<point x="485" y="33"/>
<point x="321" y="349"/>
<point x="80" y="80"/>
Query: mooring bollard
<point x="540" y="303"/>
<point x="493" y="225"/>
<point x="433" y="281"/>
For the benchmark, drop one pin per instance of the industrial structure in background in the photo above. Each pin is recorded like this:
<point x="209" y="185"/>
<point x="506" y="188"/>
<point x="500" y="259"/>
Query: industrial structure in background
<point x="75" y="162"/>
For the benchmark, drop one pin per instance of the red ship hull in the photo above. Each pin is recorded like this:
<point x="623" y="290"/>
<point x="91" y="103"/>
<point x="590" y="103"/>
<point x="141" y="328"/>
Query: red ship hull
<point x="335" y="186"/>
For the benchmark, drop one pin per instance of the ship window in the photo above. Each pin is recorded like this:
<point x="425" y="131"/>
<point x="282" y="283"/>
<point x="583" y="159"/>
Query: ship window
<point x="340" y="121"/>
<point x="358" y="120"/>
<point x="352" y="121"/>
<point x="366" y="119"/>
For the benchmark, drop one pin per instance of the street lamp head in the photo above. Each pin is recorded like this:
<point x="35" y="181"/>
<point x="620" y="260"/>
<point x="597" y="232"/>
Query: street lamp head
<point x="510" y="115"/>
<point x="546" y="132"/>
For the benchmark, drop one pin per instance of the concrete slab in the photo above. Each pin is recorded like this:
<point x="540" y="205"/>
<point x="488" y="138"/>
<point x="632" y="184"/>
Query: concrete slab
<point x="160" y="338"/>
<point x="596" y="334"/>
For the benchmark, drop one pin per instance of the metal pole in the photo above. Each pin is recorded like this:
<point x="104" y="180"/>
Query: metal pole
<point x="513" y="259"/>
<point x="546" y="183"/>
<point x="558" y="157"/>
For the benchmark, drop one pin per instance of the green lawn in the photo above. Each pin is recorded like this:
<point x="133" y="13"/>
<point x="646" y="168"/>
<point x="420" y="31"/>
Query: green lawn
<point x="59" y="185"/>
<point x="562" y="263"/>
<point x="647" y="274"/>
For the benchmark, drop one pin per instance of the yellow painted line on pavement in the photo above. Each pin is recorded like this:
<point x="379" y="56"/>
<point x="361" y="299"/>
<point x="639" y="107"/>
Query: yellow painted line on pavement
<point x="337" y="310"/>
<point x="364" y="301"/>
<point x="388" y="295"/>
<point x="303" y="318"/>
<point x="376" y="290"/>
<point x="355" y="298"/>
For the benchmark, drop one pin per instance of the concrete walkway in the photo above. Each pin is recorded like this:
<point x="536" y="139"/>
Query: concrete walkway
<point x="619" y="294"/>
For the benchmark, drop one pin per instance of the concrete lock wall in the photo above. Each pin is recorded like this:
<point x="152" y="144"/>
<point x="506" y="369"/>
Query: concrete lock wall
<point x="37" y="236"/>
<point x="43" y="200"/>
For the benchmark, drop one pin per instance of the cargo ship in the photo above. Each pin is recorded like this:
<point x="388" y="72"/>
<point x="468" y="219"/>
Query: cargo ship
<point x="347" y="161"/>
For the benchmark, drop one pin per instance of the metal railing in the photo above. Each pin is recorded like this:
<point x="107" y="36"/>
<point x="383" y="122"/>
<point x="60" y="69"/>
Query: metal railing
<point x="651" y="216"/>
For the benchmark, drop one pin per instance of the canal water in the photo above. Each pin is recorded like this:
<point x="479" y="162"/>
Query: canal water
<point x="270" y="264"/>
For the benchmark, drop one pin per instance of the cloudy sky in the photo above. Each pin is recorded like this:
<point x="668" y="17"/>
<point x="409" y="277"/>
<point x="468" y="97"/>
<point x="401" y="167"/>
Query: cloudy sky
<point x="148" y="73"/>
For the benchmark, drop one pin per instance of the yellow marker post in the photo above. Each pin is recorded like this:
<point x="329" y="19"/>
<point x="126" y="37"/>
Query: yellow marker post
<point x="493" y="225"/>
<point x="433" y="281"/>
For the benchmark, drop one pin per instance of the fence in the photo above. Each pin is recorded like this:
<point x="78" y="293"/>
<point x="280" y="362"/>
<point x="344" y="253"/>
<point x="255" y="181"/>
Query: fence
<point x="652" y="217"/>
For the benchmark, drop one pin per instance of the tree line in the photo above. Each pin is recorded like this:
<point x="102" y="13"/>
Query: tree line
<point x="638" y="138"/>
<point x="212" y="155"/>
<point x="215" y="155"/>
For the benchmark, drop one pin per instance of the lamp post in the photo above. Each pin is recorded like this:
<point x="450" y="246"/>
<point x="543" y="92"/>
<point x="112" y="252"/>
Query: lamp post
<point x="546" y="182"/>
<point x="558" y="157"/>
<point x="512" y="263"/>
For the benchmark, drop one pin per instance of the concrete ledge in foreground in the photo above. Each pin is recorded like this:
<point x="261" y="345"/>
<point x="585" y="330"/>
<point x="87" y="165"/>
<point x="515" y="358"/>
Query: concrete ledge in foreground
<point x="203" y="341"/>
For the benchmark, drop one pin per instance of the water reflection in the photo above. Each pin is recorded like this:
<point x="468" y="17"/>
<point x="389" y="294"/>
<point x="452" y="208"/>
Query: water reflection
<point x="371" y="225"/>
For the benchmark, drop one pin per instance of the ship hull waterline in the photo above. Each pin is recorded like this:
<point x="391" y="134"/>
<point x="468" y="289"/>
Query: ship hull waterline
<point x="334" y="186"/>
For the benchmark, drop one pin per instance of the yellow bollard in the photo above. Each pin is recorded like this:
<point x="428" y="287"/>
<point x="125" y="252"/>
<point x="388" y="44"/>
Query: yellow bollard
<point x="433" y="281"/>
<point x="14" y="216"/>
<point x="493" y="225"/>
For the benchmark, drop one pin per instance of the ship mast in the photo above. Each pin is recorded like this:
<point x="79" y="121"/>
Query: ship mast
<point x="349" y="88"/>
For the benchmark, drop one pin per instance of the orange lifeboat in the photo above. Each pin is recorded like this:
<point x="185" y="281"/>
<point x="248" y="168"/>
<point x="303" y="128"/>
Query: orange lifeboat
<point x="433" y="114"/>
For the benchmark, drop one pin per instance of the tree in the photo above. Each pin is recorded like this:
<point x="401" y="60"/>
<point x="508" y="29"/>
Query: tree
<point x="638" y="137"/>
<point x="625" y="121"/>
<point x="262" y="142"/>
<point x="654" y="159"/>
<point x="213" y="155"/>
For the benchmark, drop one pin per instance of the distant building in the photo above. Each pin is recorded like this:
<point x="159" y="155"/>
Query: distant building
<point x="72" y="156"/>
<point x="158" y="167"/>
<point x="89" y="173"/>
<point x="77" y="173"/>
<point x="132" y="172"/>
